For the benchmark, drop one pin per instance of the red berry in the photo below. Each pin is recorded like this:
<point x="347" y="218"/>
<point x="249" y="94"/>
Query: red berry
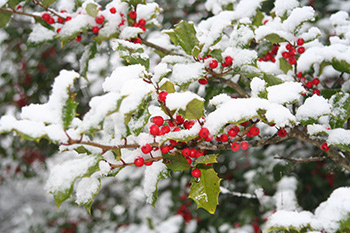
<point x="158" y="120"/>
<point x="139" y="161"/>
<point x="301" y="50"/>
<point x="292" y="60"/>
<point x="325" y="147"/>
<point x="282" y="132"/>
<point x="146" y="148"/>
<point x="68" y="18"/>
<point x="292" y="52"/>
<point x="171" y="124"/>
<point x="189" y="161"/>
<point x="173" y="142"/>
<point x="299" y="74"/>
<point x="203" y="133"/>
<point x="244" y="124"/>
<point x="188" y="124"/>
<point x="100" y="19"/>
<point x="224" y="137"/>
<point x="179" y="119"/>
<point x="289" y="46"/>
<point x="254" y="131"/>
<point x="51" y="21"/>
<point x="78" y="38"/>
<point x="165" y="149"/>
<point x="162" y="96"/>
<point x="135" y="25"/>
<point x="165" y="129"/>
<point x="137" y="41"/>
<point x="58" y="30"/>
<point x="196" y="173"/>
<point x="235" y="146"/>
<point x="300" y="41"/>
<point x="186" y="152"/>
<point x="60" y="20"/>
<point x="46" y="17"/>
<point x="203" y="81"/>
<point x="309" y="84"/>
<point x="228" y="60"/>
<point x="316" y="91"/>
<point x="315" y="81"/>
<point x="193" y="153"/>
<point x="95" y="29"/>
<point x="154" y="130"/>
<point x="285" y="55"/>
<point x="208" y="139"/>
<point x="149" y="163"/>
<point x="142" y="22"/>
<point x="232" y="132"/>
<point x="113" y="10"/>
<point x="132" y="14"/>
<point x="244" y="145"/>
<point x="213" y="64"/>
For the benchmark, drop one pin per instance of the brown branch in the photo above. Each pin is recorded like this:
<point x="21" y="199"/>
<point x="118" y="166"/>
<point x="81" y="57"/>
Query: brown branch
<point x="12" y="11"/>
<point x="47" y="8"/>
<point x="234" y="86"/>
<point x="317" y="159"/>
<point x="160" y="49"/>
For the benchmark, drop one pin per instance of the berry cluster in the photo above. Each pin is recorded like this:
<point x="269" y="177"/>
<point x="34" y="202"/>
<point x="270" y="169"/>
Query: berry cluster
<point x="270" y="56"/>
<point x="311" y="85"/>
<point x="293" y="50"/>
<point x="213" y="64"/>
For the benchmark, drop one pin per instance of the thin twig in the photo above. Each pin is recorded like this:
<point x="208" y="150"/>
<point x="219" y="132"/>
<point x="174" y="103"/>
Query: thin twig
<point x="47" y="8"/>
<point x="12" y="11"/>
<point x="160" y="49"/>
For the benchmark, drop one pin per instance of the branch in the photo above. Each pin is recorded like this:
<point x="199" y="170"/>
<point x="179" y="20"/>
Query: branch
<point x="233" y="85"/>
<point x="160" y="49"/>
<point x="317" y="159"/>
<point x="47" y="9"/>
<point x="12" y="11"/>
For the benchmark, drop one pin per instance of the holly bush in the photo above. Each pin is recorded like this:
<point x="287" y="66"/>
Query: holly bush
<point x="225" y="116"/>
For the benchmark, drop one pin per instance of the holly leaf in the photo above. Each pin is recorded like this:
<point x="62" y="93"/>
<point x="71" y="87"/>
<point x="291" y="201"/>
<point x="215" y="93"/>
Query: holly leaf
<point x="275" y="38"/>
<point x="284" y="65"/>
<point x="341" y="65"/>
<point x="82" y="150"/>
<point x="161" y="176"/>
<point x="47" y="3"/>
<point x="340" y="110"/>
<point x="184" y="35"/>
<point x="194" y="110"/>
<point x="135" y="2"/>
<point x="69" y="111"/>
<point x="89" y="53"/>
<point x="206" y="191"/>
<point x="92" y="9"/>
<point x="272" y="80"/>
<point x="176" y="162"/>
<point x="216" y="53"/>
<point x="207" y="159"/>
<point x="13" y="3"/>
<point x="136" y="121"/>
<point x="167" y="86"/>
<point x="100" y="37"/>
<point x="258" y="19"/>
<point x="132" y="54"/>
<point x="4" y="18"/>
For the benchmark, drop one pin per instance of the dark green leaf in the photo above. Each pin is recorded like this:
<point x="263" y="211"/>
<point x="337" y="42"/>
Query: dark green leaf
<point x="60" y="197"/>
<point x="133" y="56"/>
<point x="272" y="80"/>
<point x="82" y="150"/>
<point x="92" y="9"/>
<point x="340" y="110"/>
<point x="135" y="2"/>
<point x="258" y="19"/>
<point x="168" y="86"/>
<point x="194" y="110"/>
<point x="100" y="38"/>
<point x="275" y="38"/>
<point x="345" y="225"/>
<point x="216" y="53"/>
<point x="206" y="191"/>
<point x="69" y="111"/>
<point x="4" y="18"/>
<point x="341" y="65"/>
<point x="47" y="3"/>
<point x="13" y="3"/>
<point x="184" y="35"/>
<point x="176" y="162"/>
<point x="285" y="66"/>
<point x="207" y="159"/>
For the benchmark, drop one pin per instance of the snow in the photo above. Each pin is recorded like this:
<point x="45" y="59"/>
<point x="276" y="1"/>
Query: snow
<point x="241" y="36"/>
<point x="313" y="107"/>
<point x="75" y="25"/>
<point x="285" y="218"/>
<point x="338" y="136"/>
<point x="284" y="7"/>
<point x="146" y="11"/>
<point x="219" y="99"/>
<point x="316" y="129"/>
<point x="298" y="16"/>
<point x="152" y="173"/>
<point x="40" y="34"/>
<point x="104" y="167"/>
<point x="160" y="71"/>
<point x="179" y="100"/>
<point x="3" y="2"/>
<point x="240" y="56"/>
<point x="257" y="86"/>
<point x="87" y="189"/>
<point x="185" y="73"/>
<point x="285" y="196"/>
<point x="63" y="175"/>
<point x="130" y="32"/>
<point x="216" y="6"/>
<point x="287" y="92"/>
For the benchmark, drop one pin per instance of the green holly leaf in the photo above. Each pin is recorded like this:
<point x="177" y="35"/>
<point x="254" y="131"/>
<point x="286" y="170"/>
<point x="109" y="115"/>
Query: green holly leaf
<point x="196" y="50"/>
<point x="340" y="110"/>
<point x="4" y="18"/>
<point x="343" y="146"/>
<point x="136" y="121"/>
<point x="161" y="176"/>
<point x="184" y="35"/>
<point x="194" y="110"/>
<point x="206" y="191"/>
<point x="345" y="225"/>
<point x="82" y="150"/>
<point x="216" y="53"/>
<point x="258" y="19"/>
<point x="168" y="86"/>
<point x="47" y="3"/>
<point x="285" y="66"/>
<point x="275" y="38"/>
<point x="89" y="203"/>
<point x="69" y="111"/>
<point x="341" y="65"/>
<point x="207" y="159"/>
<point x="61" y="196"/>
<point x="13" y="3"/>
<point x="92" y="9"/>
<point x="272" y="80"/>
<point x="132" y="54"/>
<point x="135" y="2"/>
<point x="100" y="37"/>
<point x="176" y="162"/>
